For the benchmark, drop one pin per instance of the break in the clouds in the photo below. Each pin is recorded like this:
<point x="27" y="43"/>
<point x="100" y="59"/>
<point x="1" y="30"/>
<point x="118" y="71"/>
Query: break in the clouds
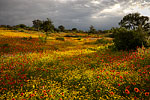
<point x="102" y="14"/>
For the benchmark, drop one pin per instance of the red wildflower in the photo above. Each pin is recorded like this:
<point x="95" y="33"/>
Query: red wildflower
<point x="134" y="83"/>
<point x="48" y="90"/>
<point x="135" y="97"/>
<point x="112" y="93"/>
<point x="146" y="93"/>
<point x="21" y="85"/>
<point x="128" y="87"/>
<point x="21" y="94"/>
<point x="121" y="77"/>
<point x="45" y="94"/>
<point x="41" y="97"/>
<point x="62" y="94"/>
<point x="98" y="90"/>
<point x="127" y="91"/>
<point x="136" y="89"/>
<point x="32" y="95"/>
<point x="44" y="91"/>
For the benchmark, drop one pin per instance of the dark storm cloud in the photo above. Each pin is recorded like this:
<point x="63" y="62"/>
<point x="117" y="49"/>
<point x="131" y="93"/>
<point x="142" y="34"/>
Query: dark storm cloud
<point x="70" y="13"/>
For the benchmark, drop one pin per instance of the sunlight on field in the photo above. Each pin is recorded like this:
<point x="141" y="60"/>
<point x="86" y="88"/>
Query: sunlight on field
<point x="9" y="33"/>
<point x="70" y="69"/>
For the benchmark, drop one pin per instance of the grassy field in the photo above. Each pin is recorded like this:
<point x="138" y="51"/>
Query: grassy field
<point x="70" y="66"/>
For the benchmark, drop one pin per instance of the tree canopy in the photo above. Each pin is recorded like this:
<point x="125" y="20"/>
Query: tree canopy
<point x="61" y="28"/>
<point x="37" y="24"/>
<point x="133" y="20"/>
<point x="92" y="29"/>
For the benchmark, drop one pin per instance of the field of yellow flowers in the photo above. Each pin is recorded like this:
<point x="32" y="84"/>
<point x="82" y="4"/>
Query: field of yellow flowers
<point x="72" y="68"/>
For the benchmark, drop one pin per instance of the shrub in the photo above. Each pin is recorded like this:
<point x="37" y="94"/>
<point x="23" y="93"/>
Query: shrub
<point x="74" y="36"/>
<point x="79" y="38"/>
<point x="42" y="39"/>
<point x="129" y="39"/>
<point x="4" y="45"/>
<point x="110" y="35"/>
<point x="30" y="37"/>
<point x="102" y="41"/>
<point x="21" y="31"/>
<point x="24" y="38"/>
<point x="60" y="38"/>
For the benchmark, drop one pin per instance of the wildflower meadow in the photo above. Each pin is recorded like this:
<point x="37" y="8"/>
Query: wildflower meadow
<point x="70" y="68"/>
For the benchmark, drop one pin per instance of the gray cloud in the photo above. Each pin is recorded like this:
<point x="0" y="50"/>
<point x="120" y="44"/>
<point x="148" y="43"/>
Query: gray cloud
<point x="103" y="14"/>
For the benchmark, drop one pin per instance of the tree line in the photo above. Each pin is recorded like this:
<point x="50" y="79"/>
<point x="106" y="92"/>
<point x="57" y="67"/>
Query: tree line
<point x="131" y="21"/>
<point x="47" y="26"/>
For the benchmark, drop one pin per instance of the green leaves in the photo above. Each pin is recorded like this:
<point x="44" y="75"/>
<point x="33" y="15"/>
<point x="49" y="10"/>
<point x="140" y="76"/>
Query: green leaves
<point x="133" y="20"/>
<point x="129" y="39"/>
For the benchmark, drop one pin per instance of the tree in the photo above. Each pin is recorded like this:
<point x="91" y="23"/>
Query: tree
<point x="74" y="29"/>
<point x="61" y="28"/>
<point x="47" y="26"/>
<point x="22" y="26"/>
<point x="37" y="24"/>
<point x="133" y="20"/>
<point x="92" y="29"/>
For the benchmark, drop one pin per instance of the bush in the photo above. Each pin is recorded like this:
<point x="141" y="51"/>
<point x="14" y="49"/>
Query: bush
<point x="42" y="39"/>
<point x="102" y="41"/>
<point x="21" y="31"/>
<point x="74" y="36"/>
<point x="129" y="39"/>
<point x="60" y="38"/>
<point x="4" y="45"/>
<point x="110" y="35"/>
<point x="30" y="38"/>
<point x="24" y="38"/>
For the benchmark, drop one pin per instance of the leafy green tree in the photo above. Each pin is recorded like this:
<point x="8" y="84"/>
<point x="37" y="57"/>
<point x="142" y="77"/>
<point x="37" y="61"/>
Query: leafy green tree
<point x="48" y="26"/>
<point x="37" y="24"/>
<point x="61" y="28"/>
<point x="3" y="26"/>
<point x="133" y="20"/>
<point x="74" y="29"/>
<point x="22" y="26"/>
<point x="92" y="29"/>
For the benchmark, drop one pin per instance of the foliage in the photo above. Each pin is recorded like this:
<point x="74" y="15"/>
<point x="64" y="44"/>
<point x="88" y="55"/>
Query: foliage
<point x="75" y="36"/>
<point x="37" y="24"/>
<point x="61" y="28"/>
<point x="42" y="39"/>
<point x="102" y="41"/>
<point x="129" y="39"/>
<point x="111" y="35"/>
<point x="74" y="29"/>
<point x="47" y="26"/>
<point x="133" y="20"/>
<point x="60" y="38"/>
<point x="22" y="26"/>
<point x="92" y="29"/>
<point x="4" y="45"/>
<point x="26" y="38"/>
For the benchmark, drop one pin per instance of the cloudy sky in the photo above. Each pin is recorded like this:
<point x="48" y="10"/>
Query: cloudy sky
<point x="102" y="14"/>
